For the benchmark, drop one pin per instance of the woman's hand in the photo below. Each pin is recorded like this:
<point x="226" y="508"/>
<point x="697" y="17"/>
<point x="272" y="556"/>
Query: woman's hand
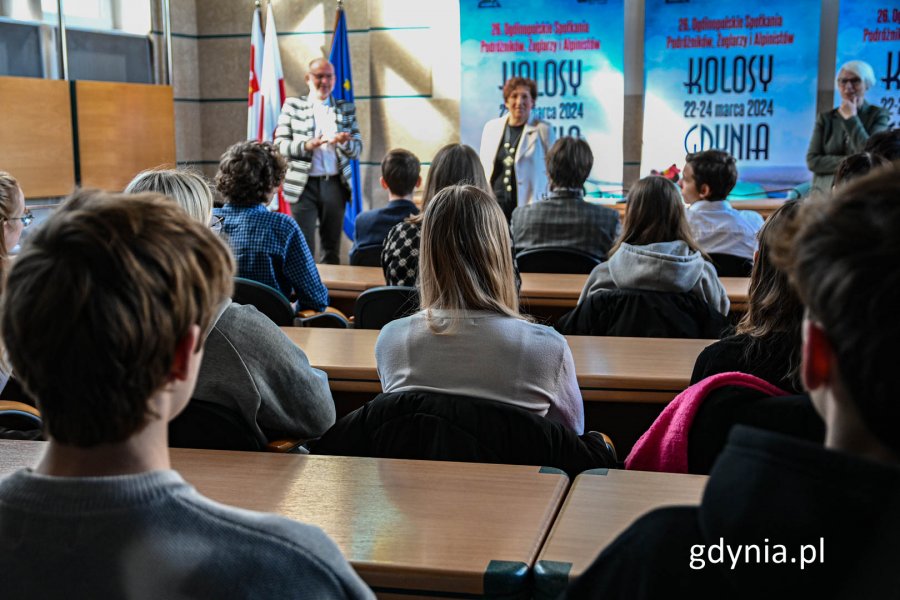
<point x="849" y="108"/>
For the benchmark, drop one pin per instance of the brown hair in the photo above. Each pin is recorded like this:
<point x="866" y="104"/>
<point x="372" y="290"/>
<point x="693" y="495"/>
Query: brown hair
<point x="884" y="143"/>
<point x="514" y="82"/>
<point x="454" y="164"/>
<point x="400" y="169"/>
<point x="655" y="213"/>
<point x="714" y="168"/>
<point x="136" y="274"/>
<point x="857" y="165"/>
<point x="9" y="193"/>
<point x="249" y="172"/>
<point x="843" y="261"/>
<point x="774" y="308"/>
<point x="569" y="163"/>
<point x="465" y="260"/>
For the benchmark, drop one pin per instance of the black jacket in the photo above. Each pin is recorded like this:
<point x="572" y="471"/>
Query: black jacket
<point x="431" y="426"/>
<point x="769" y="359"/>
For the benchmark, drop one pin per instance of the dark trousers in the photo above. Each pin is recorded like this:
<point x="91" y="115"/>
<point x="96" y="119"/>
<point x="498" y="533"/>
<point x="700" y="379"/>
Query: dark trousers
<point x="323" y="201"/>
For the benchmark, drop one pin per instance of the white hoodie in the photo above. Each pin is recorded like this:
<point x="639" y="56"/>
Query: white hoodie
<point x="660" y="267"/>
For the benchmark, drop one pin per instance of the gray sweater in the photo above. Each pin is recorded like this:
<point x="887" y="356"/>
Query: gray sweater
<point x="152" y="535"/>
<point x="660" y="267"/>
<point x="251" y="366"/>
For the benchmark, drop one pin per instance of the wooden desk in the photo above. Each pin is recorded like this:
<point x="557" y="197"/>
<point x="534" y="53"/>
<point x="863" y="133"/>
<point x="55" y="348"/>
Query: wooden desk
<point x="608" y="368"/>
<point x="600" y="506"/>
<point x="407" y="526"/>
<point x="539" y="290"/>
<point x="764" y="206"/>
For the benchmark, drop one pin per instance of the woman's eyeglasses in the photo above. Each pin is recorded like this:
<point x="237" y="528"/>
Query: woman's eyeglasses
<point x="215" y="223"/>
<point x="26" y="218"/>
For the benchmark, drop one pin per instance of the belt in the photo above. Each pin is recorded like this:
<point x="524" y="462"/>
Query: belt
<point x="323" y="177"/>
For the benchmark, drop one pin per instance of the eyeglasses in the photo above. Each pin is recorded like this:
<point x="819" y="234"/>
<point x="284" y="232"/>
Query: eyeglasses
<point x="27" y="218"/>
<point x="853" y="81"/>
<point x="215" y="223"/>
<point x="322" y="75"/>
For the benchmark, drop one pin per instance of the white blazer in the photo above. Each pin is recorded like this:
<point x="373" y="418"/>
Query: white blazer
<point x="531" y="172"/>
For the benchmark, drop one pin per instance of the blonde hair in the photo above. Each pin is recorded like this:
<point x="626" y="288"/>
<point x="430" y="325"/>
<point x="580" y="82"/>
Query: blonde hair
<point x="187" y="188"/>
<point x="454" y="164"/>
<point x="9" y="192"/>
<point x="655" y="213"/>
<point x="465" y="260"/>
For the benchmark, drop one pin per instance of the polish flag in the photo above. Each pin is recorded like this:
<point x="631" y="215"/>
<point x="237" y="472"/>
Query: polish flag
<point x="272" y="91"/>
<point x="253" y="94"/>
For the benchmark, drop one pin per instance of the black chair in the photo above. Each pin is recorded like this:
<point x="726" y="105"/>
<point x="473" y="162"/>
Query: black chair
<point x="19" y="421"/>
<point x="211" y="426"/>
<point x="378" y="306"/>
<point x="433" y="426"/>
<point x="367" y="256"/>
<point x="728" y="265"/>
<point x="267" y="300"/>
<point x="556" y="260"/>
<point x="638" y="313"/>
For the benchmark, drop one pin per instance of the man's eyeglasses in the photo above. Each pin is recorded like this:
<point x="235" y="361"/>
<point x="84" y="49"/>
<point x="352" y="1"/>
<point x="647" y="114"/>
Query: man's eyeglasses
<point x="853" y="81"/>
<point x="215" y="223"/>
<point x="26" y="218"/>
<point x="322" y="75"/>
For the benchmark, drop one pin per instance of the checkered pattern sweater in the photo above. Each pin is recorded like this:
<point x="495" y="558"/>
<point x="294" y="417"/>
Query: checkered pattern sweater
<point x="296" y="126"/>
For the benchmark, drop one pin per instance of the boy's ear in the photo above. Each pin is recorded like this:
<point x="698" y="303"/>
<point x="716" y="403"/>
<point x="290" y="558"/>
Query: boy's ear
<point x="383" y="183"/>
<point x="418" y="183"/>
<point x="703" y="191"/>
<point x="185" y="353"/>
<point x="818" y="357"/>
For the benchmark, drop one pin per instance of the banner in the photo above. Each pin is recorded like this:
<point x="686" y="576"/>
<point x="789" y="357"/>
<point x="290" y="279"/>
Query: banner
<point x="573" y="49"/>
<point x="720" y="76"/>
<point x="869" y="30"/>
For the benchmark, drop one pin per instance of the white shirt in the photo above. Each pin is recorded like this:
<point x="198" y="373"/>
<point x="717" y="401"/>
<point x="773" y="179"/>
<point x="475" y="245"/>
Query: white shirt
<point x="324" y="158"/>
<point x="720" y="229"/>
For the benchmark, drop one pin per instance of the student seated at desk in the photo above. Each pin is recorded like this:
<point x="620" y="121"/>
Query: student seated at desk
<point x="708" y="178"/>
<point x="400" y="177"/>
<point x="452" y="165"/>
<point x="766" y="342"/>
<point x="656" y="251"/>
<point x="469" y="338"/>
<point x="269" y="247"/>
<point x="102" y="515"/>
<point x="249" y="365"/>
<point x="794" y="519"/>
<point x="15" y="218"/>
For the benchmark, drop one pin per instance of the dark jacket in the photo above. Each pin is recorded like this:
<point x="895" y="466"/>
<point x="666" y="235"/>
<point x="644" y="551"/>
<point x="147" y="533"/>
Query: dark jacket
<point x="372" y="226"/>
<point x="431" y="426"/>
<point x="768" y="359"/>
<point x="633" y="313"/>
<point x="835" y="138"/>
<point x="766" y="490"/>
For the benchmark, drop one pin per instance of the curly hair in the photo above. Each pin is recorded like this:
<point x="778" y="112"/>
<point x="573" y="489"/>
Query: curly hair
<point x="250" y="172"/>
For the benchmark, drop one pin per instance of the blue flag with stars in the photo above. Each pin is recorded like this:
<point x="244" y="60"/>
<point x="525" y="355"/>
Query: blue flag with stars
<point x="343" y="90"/>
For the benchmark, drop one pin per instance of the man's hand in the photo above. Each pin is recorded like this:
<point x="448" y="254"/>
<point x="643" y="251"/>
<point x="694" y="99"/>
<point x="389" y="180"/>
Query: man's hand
<point x="341" y="138"/>
<point x="314" y="143"/>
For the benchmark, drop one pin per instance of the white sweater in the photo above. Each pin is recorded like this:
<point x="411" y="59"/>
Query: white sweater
<point x="489" y="356"/>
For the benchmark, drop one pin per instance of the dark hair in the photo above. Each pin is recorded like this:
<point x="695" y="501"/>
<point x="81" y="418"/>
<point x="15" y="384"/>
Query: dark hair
<point x="136" y="274"/>
<point x="843" y="261"/>
<point x="454" y="164"/>
<point x="774" y="312"/>
<point x="400" y="169"/>
<point x="513" y="82"/>
<point x="716" y="169"/>
<point x="884" y="143"/>
<point x="857" y="165"/>
<point x="569" y="163"/>
<point x="249" y="172"/>
<point x="655" y="213"/>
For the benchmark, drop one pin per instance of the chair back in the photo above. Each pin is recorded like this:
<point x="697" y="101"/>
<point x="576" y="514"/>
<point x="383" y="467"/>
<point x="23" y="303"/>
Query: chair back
<point x="367" y="256"/>
<point x="267" y="300"/>
<point x="436" y="426"/>
<point x="556" y="260"/>
<point x="728" y="265"/>
<point x="208" y="425"/>
<point x="638" y="313"/>
<point x="378" y="306"/>
<point x="19" y="421"/>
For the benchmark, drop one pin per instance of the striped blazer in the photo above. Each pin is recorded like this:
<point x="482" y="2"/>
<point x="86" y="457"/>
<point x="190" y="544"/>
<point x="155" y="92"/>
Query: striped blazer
<point x="296" y="126"/>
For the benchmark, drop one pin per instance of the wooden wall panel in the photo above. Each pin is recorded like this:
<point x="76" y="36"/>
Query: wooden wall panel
<point x="123" y="128"/>
<point x="36" y="126"/>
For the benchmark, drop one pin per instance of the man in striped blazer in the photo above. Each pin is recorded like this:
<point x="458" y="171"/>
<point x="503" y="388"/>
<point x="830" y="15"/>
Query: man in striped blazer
<point x="319" y="136"/>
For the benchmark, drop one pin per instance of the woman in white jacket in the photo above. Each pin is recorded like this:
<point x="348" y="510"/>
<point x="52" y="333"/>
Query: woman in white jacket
<point x="656" y="251"/>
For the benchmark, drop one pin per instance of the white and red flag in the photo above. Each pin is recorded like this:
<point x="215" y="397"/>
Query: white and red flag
<point x="254" y="97"/>
<point x="272" y="87"/>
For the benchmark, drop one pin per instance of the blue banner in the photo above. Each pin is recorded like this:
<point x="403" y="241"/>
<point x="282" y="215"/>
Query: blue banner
<point x="573" y="49"/>
<point x="869" y="30"/>
<point x="718" y="75"/>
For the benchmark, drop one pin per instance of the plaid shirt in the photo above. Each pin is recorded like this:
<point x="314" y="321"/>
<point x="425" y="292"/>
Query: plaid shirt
<point x="270" y="249"/>
<point x="564" y="220"/>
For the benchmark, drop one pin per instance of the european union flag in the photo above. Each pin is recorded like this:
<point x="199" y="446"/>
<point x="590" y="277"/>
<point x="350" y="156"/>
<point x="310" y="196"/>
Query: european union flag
<point x="343" y="90"/>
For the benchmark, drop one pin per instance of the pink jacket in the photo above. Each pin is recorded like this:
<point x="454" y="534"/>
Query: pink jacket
<point x="664" y="447"/>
